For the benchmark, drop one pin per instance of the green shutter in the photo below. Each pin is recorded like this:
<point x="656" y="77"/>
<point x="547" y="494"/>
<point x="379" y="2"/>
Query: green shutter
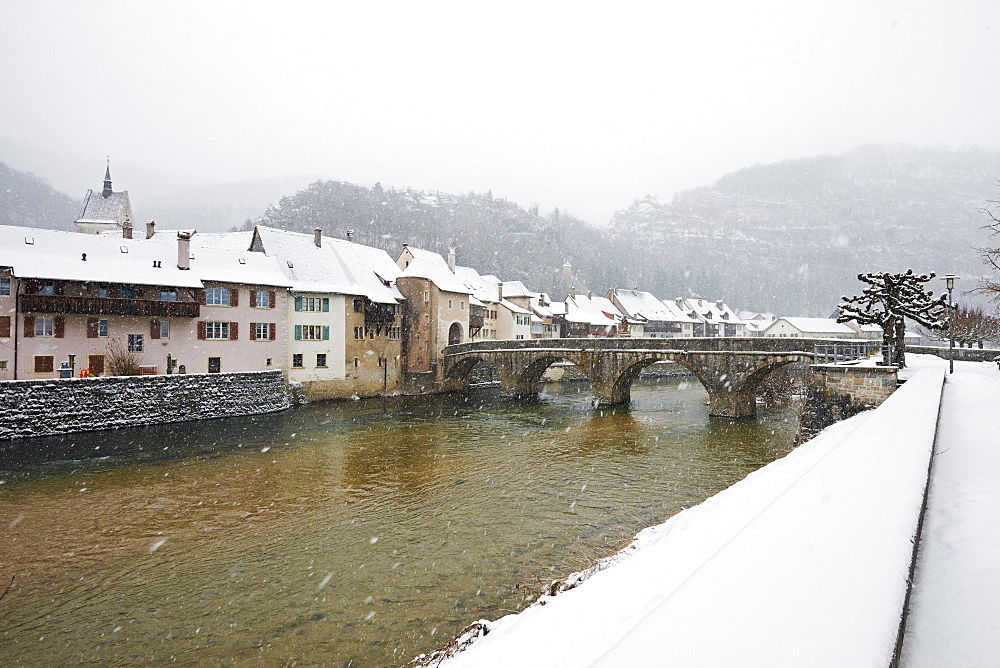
<point x="326" y="304"/>
<point x="298" y="304"/>
<point x="298" y="332"/>
<point x="326" y="332"/>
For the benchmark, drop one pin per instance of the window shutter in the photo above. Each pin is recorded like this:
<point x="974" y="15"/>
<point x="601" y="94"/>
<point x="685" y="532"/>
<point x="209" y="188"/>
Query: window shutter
<point x="59" y="326"/>
<point x="202" y="330"/>
<point x="326" y="332"/>
<point x="270" y="329"/>
<point x="202" y="297"/>
<point x="253" y="298"/>
<point x="154" y="329"/>
<point x="29" y="326"/>
<point x="326" y="304"/>
<point x="253" y="330"/>
<point x="93" y="325"/>
<point x="271" y="298"/>
<point x="5" y="326"/>
<point x="234" y="297"/>
<point x="298" y="303"/>
<point x="234" y="331"/>
<point x="298" y="332"/>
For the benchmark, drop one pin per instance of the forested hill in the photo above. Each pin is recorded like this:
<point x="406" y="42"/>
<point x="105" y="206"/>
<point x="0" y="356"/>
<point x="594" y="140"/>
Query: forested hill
<point x="792" y="236"/>
<point x="493" y="235"/>
<point x="27" y="200"/>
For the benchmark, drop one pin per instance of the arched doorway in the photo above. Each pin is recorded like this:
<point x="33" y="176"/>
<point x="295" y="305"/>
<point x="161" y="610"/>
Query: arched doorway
<point x="454" y="334"/>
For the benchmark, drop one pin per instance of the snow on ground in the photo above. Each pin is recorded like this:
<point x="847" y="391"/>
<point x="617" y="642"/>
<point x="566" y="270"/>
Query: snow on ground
<point x="804" y="562"/>
<point x="955" y="604"/>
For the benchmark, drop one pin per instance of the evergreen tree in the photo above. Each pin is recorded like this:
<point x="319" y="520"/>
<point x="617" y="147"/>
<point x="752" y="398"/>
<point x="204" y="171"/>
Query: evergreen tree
<point x="888" y="301"/>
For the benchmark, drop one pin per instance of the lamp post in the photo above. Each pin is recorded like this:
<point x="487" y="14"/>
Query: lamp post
<point x="949" y="281"/>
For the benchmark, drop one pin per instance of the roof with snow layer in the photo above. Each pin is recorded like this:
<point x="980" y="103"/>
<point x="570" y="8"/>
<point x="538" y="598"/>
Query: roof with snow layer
<point x="641" y="304"/>
<point x="592" y="310"/>
<point x="430" y="265"/>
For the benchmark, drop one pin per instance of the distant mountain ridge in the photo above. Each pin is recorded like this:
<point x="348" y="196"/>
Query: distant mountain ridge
<point x="29" y="201"/>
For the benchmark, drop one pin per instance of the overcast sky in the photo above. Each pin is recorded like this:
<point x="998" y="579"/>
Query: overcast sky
<point x="584" y="106"/>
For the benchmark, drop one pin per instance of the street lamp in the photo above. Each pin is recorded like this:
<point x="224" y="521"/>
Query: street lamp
<point x="949" y="281"/>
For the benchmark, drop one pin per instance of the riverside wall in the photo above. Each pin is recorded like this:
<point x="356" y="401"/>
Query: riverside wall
<point x="31" y="408"/>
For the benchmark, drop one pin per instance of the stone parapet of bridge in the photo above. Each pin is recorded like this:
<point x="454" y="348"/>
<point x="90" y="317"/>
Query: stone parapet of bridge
<point x="731" y="369"/>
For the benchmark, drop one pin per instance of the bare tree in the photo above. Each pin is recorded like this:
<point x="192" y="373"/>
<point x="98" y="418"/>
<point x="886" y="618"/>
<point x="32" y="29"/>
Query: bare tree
<point x="971" y="325"/>
<point x="990" y="285"/>
<point x="888" y="301"/>
<point x="120" y="360"/>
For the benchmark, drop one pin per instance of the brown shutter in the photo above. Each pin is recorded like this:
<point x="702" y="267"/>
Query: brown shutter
<point x="271" y="299"/>
<point x="253" y="298"/>
<point x="96" y="364"/>
<point x="271" y="328"/>
<point x="202" y="297"/>
<point x="59" y="325"/>
<point x="234" y="297"/>
<point x="93" y="328"/>
<point x="5" y="326"/>
<point x="44" y="364"/>
<point x="154" y="329"/>
<point x="29" y="326"/>
<point x="234" y="331"/>
<point x="202" y="330"/>
<point x="253" y="331"/>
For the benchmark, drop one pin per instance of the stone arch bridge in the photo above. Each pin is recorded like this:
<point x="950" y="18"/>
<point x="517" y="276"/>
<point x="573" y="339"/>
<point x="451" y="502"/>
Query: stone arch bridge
<point x="731" y="369"/>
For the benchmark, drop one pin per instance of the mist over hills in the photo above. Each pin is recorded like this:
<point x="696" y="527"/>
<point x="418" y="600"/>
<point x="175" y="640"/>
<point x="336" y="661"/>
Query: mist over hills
<point x="788" y="237"/>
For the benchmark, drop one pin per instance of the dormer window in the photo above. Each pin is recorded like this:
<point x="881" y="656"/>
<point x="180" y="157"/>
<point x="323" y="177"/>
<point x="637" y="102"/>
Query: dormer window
<point x="46" y="289"/>
<point x="168" y="294"/>
<point x="128" y="292"/>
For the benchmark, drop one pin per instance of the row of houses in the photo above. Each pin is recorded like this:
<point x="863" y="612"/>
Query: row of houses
<point x="337" y="317"/>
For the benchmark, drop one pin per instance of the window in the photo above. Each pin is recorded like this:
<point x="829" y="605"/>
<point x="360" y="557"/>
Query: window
<point x="102" y="328"/>
<point x="321" y="359"/>
<point x="128" y="292"/>
<point x="46" y="289"/>
<point x="168" y="295"/>
<point x="102" y="291"/>
<point x="164" y="329"/>
<point x="214" y="364"/>
<point x="43" y="327"/>
<point x="297" y="361"/>
<point x="262" y="299"/>
<point x="135" y="343"/>
<point x="427" y="295"/>
<point x="450" y="303"/>
<point x="359" y="305"/>
<point x="312" y="332"/>
<point x="44" y="363"/>
<point x="4" y="286"/>
<point x="3" y="365"/>
<point x="312" y="304"/>
<point x="217" y="297"/>
<point x="359" y="333"/>
<point x="217" y="330"/>
<point x="462" y="304"/>
<point x="262" y="330"/>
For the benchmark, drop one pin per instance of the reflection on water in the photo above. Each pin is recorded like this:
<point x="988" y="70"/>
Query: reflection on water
<point x="361" y="533"/>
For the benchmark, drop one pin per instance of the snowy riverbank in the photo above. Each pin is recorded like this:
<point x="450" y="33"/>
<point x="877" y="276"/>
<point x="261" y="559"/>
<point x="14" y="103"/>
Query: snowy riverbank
<point x="804" y="562"/>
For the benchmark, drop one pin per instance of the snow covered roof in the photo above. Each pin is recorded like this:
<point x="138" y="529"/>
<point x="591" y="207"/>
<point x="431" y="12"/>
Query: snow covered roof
<point x="100" y="209"/>
<point x="430" y="265"/>
<point x="51" y="254"/>
<point x="713" y="312"/>
<point x="816" y="326"/>
<point x="645" y="305"/>
<point x="517" y="289"/>
<point x="514" y="308"/>
<point x="592" y="310"/>
<point x="483" y="288"/>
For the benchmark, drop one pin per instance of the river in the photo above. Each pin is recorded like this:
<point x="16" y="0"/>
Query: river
<point x="360" y="533"/>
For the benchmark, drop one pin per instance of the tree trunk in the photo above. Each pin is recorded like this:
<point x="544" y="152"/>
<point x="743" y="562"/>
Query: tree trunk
<point x="900" y="353"/>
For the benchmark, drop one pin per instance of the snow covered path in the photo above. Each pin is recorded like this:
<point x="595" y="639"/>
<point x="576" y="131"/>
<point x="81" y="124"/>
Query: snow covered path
<point x="955" y="604"/>
<point x="804" y="562"/>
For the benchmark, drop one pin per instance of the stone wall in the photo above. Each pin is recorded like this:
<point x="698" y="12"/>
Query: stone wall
<point x="836" y="392"/>
<point x="31" y="408"/>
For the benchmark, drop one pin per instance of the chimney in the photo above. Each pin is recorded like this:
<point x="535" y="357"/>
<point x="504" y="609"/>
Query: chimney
<point x="500" y="291"/>
<point x="150" y="229"/>
<point x="718" y="304"/>
<point x="127" y="230"/>
<point x="567" y="270"/>
<point x="590" y="294"/>
<point x="318" y="237"/>
<point x="572" y="291"/>
<point x="183" y="250"/>
<point x="350" y="235"/>
<point x="451" y="259"/>
<point x="680" y="301"/>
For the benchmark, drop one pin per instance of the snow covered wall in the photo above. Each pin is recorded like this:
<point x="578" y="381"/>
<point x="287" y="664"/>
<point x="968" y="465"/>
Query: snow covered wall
<point x="31" y="408"/>
<point x="803" y="563"/>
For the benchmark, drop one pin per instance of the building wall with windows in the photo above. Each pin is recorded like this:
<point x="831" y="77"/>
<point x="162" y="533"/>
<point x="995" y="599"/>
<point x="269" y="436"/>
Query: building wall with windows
<point x="432" y="319"/>
<point x="374" y="346"/>
<point x="240" y="328"/>
<point x="316" y="333"/>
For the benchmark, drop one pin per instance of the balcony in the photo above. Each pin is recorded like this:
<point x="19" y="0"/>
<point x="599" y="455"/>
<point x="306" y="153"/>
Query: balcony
<point x="105" y="306"/>
<point x="379" y="315"/>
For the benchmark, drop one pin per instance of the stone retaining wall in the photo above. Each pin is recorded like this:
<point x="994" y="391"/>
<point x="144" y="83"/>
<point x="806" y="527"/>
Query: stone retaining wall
<point x="836" y="392"/>
<point x="30" y="408"/>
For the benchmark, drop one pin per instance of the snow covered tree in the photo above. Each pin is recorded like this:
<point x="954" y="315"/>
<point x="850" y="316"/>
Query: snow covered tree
<point x="888" y="301"/>
<point x="973" y="326"/>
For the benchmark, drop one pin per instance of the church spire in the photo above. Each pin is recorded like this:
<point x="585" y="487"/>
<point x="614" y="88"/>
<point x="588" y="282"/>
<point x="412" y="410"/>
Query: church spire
<point x="107" y="179"/>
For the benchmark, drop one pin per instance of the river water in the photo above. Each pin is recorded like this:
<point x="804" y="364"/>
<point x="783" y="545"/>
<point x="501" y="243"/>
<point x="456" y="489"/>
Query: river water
<point x="340" y="534"/>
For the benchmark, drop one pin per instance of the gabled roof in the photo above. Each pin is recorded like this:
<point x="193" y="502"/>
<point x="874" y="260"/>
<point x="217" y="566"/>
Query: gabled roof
<point x="483" y="288"/>
<point x="517" y="289"/>
<point x="100" y="209"/>
<point x="431" y="266"/>
<point x="514" y="308"/>
<point x="592" y="310"/>
<point x="644" y="305"/>
<point x="816" y="326"/>
<point x="713" y="312"/>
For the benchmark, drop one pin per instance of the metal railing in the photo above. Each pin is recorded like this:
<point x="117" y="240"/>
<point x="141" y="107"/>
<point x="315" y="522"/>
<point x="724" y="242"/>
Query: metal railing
<point x="837" y="352"/>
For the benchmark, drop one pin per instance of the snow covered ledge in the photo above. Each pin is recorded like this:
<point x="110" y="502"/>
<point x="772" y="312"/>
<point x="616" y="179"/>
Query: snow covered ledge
<point x="803" y="563"/>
